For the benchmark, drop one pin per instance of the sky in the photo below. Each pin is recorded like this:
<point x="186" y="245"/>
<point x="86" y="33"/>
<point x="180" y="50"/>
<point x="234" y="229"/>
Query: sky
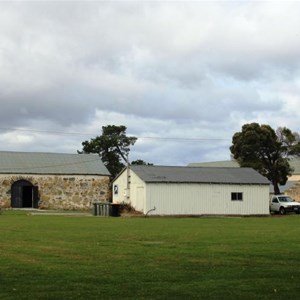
<point x="182" y="76"/>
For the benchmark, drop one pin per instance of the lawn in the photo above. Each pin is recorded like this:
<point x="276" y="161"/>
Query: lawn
<point x="74" y="257"/>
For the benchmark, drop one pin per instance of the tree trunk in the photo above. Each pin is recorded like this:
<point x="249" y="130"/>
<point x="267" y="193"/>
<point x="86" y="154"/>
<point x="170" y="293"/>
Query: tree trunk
<point x="276" y="188"/>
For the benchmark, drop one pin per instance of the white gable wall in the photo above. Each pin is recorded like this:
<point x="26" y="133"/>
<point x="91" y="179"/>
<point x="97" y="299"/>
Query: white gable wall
<point x="136" y="192"/>
<point x="119" y="190"/>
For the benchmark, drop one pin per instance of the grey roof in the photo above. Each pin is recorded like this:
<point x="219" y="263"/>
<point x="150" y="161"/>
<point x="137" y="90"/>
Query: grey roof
<point x="218" y="164"/>
<point x="199" y="175"/>
<point x="294" y="162"/>
<point x="283" y="188"/>
<point x="51" y="163"/>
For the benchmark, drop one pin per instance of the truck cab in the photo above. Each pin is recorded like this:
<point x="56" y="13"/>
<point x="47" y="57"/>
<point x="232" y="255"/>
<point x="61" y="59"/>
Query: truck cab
<point x="282" y="204"/>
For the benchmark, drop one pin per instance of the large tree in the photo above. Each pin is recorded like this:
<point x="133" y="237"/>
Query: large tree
<point x="266" y="150"/>
<point x="113" y="146"/>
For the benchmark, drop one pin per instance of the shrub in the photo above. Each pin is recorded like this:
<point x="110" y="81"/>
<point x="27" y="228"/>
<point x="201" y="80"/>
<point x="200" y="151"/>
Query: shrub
<point x="127" y="208"/>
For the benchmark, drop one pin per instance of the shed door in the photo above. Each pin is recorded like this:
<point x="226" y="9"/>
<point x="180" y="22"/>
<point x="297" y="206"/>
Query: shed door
<point x="140" y="205"/>
<point x="16" y="196"/>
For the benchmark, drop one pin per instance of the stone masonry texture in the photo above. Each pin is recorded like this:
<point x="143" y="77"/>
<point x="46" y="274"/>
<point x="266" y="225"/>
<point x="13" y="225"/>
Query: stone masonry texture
<point x="60" y="191"/>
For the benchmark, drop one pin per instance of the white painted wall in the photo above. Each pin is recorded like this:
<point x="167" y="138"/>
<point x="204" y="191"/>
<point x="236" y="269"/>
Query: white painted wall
<point x="119" y="195"/>
<point x="199" y="199"/>
<point x="136" y="192"/>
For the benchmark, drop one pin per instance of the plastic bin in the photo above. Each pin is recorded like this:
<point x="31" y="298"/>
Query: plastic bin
<point x="115" y="210"/>
<point x="102" y="209"/>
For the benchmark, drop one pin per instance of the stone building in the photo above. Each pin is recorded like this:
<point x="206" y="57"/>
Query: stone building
<point x="52" y="180"/>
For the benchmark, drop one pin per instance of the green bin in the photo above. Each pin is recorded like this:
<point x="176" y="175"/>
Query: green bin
<point x="96" y="209"/>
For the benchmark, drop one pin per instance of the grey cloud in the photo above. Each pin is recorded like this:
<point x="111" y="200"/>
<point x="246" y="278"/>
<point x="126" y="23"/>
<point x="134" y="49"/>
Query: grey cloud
<point x="195" y="69"/>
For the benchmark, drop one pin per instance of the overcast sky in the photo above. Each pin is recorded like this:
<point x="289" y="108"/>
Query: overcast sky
<point x="182" y="76"/>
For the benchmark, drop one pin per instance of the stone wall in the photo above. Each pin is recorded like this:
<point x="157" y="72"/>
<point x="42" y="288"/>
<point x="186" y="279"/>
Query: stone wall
<point x="60" y="191"/>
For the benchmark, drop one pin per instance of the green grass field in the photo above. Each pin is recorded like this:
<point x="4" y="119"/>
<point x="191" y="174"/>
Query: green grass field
<point x="73" y="257"/>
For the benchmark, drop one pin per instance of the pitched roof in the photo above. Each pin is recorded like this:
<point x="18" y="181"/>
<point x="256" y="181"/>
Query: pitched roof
<point x="217" y="164"/>
<point x="294" y="162"/>
<point x="284" y="188"/>
<point x="51" y="163"/>
<point x="198" y="175"/>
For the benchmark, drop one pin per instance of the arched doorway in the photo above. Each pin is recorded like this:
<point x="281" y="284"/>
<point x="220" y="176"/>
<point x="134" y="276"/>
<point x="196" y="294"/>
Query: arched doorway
<point x="24" y="195"/>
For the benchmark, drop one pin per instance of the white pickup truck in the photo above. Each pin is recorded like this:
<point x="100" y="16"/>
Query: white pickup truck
<point x="283" y="204"/>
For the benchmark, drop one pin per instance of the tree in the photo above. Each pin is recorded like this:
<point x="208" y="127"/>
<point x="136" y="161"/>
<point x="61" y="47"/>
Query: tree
<point x="112" y="145"/>
<point x="267" y="151"/>
<point x="290" y="140"/>
<point x="140" y="162"/>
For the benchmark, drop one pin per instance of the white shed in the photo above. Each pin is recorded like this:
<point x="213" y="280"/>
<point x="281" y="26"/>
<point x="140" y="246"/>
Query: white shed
<point x="161" y="190"/>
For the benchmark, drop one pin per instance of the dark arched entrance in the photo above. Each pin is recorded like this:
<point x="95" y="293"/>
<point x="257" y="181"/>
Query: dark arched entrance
<point x="24" y="195"/>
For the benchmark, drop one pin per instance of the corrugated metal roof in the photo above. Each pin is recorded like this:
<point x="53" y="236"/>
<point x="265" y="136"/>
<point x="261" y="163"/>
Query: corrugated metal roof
<point x="285" y="187"/>
<point x="294" y="162"/>
<point x="199" y="175"/>
<point x="51" y="163"/>
<point x="217" y="164"/>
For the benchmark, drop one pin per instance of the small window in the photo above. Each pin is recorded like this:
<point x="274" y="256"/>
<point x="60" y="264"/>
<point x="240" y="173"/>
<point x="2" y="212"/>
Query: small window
<point x="116" y="189"/>
<point x="236" y="196"/>
<point x="275" y="200"/>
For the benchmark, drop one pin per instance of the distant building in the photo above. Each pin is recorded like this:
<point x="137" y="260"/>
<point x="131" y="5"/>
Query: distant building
<point x="294" y="162"/>
<point x="217" y="164"/>
<point x="160" y="190"/>
<point x="52" y="180"/>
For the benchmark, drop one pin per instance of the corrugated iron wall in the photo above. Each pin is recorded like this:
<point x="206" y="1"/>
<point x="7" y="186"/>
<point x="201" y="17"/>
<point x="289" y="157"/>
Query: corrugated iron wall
<point x="210" y="199"/>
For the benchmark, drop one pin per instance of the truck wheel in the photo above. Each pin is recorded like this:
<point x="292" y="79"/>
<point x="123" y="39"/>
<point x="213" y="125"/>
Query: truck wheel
<point x="282" y="211"/>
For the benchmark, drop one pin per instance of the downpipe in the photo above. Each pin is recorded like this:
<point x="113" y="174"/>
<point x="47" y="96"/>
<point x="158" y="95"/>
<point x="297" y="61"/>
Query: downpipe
<point x="152" y="209"/>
